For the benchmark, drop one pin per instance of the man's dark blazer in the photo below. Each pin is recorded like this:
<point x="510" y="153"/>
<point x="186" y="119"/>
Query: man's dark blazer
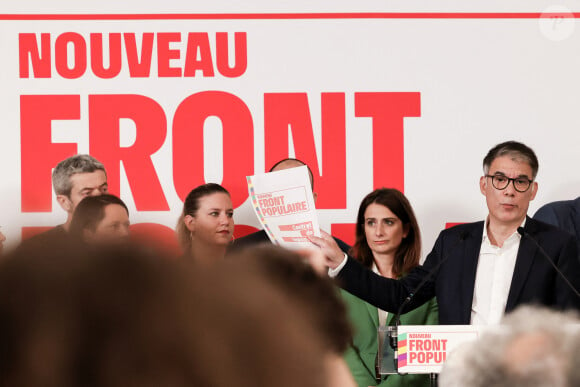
<point x="564" y="214"/>
<point x="53" y="237"/>
<point x="534" y="280"/>
<point x="261" y="237"/>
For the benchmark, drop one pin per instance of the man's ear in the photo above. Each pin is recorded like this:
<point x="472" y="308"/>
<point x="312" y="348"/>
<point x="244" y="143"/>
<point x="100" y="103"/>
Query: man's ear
<point x="189" y="222"/>
<point x="534" y="189"/>
<point x="64" y="202"/>
<point x="482" y="184"/>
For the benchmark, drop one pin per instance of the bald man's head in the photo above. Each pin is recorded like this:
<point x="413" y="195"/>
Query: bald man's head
<point x="292" y="163"/>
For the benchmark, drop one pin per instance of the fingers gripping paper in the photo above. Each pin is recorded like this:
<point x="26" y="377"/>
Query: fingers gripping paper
<point x="284" y="204"/>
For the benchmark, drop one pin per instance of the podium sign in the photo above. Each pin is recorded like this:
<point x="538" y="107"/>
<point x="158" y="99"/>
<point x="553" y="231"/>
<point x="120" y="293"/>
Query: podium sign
<point x="423" y="349"/>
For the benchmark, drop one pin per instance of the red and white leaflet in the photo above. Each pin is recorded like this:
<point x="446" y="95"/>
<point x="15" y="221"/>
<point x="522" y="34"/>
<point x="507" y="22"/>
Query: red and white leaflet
<point x="284" y="204"/>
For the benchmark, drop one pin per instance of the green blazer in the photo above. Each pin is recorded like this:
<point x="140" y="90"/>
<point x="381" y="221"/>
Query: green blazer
<point x="361" y="356"/>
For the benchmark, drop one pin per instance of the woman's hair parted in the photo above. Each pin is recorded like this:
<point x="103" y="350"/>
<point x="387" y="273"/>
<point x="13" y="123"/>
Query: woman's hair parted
<point x="409" y="252"/>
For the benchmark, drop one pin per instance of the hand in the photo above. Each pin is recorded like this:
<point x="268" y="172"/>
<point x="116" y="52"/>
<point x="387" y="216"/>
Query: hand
<point x="315" y="258"/>
<point x="332" y="253"/>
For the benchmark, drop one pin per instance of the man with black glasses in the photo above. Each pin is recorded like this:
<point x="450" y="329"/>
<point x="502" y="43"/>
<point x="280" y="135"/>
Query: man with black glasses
<point x="479" y="271"/>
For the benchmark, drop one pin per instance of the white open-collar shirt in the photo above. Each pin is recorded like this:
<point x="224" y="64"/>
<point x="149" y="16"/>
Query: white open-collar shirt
<point x="495" y="269"/>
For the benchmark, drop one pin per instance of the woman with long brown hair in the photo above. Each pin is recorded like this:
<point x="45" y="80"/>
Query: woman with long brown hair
<point x="388" y="241"/>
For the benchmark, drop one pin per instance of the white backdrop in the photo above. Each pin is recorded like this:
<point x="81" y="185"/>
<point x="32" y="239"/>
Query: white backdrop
<point x="482" y="78"/>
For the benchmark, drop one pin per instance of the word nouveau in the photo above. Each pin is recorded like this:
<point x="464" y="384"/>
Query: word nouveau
<point x="197" y="55"/>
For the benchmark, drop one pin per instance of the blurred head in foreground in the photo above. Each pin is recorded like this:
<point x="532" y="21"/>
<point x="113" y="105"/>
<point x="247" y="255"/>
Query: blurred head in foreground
<point x="316" y="295"/>
<point x="533" y="346"/>
<point x="2" y="240"/>
<point x="101" y="219"/>
<point x="121" y="317"/>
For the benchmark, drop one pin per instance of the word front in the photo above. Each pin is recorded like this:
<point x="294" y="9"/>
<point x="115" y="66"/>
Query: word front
<point x="427" y="350"/>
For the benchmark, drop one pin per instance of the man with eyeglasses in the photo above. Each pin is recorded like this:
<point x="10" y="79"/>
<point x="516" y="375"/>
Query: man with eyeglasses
<point x="479" y="271"/>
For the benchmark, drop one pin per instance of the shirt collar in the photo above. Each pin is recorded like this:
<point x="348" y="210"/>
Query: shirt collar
<point x="485" y="238"/>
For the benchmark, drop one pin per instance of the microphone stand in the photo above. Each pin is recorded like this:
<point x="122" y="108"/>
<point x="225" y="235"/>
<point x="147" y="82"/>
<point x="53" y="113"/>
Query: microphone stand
<point x="526" y="234"/>
<point x="393" y="340"/>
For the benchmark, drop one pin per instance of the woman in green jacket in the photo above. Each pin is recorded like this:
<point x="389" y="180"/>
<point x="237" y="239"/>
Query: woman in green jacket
<point x="389" y="242"/>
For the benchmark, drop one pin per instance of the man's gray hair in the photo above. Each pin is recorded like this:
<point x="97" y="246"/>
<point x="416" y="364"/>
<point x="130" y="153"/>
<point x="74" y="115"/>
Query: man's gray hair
<point x="533" y="346"/>
<point x="516" y="151"/>
<point x="76" y="164"/>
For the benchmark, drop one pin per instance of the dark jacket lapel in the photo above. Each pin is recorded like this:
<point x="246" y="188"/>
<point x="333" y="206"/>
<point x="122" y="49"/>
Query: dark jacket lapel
<point x="575" y="215"/>
<point x="524" y="260"/>
<point x="469" y="262"/>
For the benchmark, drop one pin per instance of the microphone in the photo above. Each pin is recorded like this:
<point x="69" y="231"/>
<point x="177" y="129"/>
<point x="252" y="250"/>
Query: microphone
<point x="462" y="237"/>
<point x="393" y="342"/>
<point x="524" y="234"/>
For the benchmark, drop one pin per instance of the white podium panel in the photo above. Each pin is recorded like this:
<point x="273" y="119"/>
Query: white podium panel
<point x="423" y="349"/>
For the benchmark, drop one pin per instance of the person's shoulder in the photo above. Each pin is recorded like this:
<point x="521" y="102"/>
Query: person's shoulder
<point x="537" y="226"/>
<point x="561" y="208"/>
<point x="56" y="237"/>
<point x="564" y="214"/>
<point x="250" y="239"/>
<point x="547" y="234"/>
<point x="559" y="204"/>
<point x="463" y="230"/>
<point x="51" y="235"/>
<point x="557" y="207"/>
